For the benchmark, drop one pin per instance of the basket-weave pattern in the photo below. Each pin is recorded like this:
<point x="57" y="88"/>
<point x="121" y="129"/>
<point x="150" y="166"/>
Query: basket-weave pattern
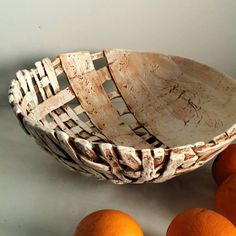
<point x="101" y="130"/>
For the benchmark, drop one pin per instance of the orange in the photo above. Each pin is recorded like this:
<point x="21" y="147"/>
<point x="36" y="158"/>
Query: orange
<point x="108" y="223"/>
<point x="200" y="222"/>
<point x="225" y="164"/>
<point x="225" y="199"/>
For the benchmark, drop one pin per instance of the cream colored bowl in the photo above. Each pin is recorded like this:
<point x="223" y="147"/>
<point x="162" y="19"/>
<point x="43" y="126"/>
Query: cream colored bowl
<point x="130" y="117"/>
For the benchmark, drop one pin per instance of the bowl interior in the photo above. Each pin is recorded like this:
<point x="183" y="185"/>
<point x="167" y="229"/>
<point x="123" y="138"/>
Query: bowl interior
<point x="136" y="99"/>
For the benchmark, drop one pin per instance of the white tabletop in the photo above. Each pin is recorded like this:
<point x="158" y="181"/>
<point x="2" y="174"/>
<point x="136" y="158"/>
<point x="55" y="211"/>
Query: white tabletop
<point x="40" y="197"/>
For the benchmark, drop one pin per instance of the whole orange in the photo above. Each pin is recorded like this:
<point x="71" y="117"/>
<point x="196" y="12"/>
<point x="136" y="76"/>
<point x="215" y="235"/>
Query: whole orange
<point x="225" y="199"/>
<point x="108" y="223"/>
<point x="200" y="222"/>
<point x="225" y="164"/>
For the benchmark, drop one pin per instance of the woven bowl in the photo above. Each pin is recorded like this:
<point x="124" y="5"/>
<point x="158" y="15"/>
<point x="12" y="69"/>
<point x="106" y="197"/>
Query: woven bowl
<point x="130" y="117"/>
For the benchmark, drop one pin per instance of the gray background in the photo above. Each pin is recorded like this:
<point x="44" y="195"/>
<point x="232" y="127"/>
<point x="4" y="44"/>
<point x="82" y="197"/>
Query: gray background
<point x="38" y="196"/>
<point x="30" y="30"/>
